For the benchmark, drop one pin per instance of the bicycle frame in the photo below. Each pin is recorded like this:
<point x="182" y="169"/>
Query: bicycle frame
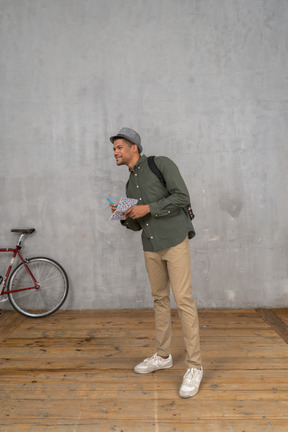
<point x="16" y="252"/>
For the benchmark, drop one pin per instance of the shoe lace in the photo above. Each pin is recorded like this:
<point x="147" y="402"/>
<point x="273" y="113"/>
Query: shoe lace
<point x="154" y="359"/>
<point x="151" y="359"/>
<point x="189" y="375"/>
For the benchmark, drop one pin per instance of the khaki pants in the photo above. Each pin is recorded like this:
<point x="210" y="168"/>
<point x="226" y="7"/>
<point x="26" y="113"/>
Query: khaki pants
<point x="173" y="265"/>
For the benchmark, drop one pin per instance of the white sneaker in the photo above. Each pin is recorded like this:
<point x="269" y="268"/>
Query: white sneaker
<point x="191" y="382"/>
<point x="154" y="363"/>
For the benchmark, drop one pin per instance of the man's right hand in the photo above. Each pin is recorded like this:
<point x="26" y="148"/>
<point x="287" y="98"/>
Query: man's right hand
<point x="113" y="207"/>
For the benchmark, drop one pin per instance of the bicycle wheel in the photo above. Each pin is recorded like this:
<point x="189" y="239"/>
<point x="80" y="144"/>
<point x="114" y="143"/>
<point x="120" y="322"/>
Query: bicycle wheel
<point x="50" y="293"/>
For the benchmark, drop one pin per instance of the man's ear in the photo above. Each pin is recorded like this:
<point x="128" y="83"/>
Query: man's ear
<point x="135" y="148"/>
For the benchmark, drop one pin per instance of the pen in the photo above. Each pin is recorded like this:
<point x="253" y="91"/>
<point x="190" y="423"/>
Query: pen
<point x="110" y="201"/>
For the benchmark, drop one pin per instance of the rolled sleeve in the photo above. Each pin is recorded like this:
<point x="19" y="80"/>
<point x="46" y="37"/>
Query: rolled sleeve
<point x="131" y="224"/>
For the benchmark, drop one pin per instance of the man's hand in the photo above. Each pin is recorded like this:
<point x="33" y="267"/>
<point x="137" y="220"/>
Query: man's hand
<point x="113" y="207"/>
<point x="137" y="211"/>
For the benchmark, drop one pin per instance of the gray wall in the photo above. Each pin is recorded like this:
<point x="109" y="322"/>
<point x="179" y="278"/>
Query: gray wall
<point x="205" y="82"/>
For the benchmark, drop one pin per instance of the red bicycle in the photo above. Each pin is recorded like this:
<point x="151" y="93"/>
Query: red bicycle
<point x="38" y="286"/>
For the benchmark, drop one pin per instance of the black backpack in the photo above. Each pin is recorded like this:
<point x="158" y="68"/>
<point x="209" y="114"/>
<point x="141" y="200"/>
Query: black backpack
<point x="157" y="172"/>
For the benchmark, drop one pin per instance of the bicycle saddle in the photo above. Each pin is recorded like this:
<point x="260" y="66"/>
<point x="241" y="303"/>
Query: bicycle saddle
<point x="24" y="231"/>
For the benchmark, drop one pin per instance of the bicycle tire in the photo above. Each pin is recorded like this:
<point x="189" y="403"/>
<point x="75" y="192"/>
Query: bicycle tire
<point x="45" y="300"/>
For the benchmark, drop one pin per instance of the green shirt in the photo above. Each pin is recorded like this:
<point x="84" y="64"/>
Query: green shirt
<point x="168" y="224"/>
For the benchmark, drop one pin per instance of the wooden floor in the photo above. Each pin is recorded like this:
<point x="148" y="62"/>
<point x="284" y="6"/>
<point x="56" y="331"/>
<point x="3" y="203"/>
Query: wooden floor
<point x="73" y="372"/>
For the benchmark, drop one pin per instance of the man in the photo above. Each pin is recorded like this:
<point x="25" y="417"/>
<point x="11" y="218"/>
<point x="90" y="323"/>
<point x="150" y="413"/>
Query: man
<point x="166" y="230"/>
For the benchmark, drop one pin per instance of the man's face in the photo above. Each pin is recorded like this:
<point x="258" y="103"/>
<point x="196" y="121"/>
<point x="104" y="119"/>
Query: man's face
<point x="123" y="152"/>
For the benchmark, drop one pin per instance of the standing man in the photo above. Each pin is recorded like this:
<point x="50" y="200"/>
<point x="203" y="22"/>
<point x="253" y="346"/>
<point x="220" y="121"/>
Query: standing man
<point x="166" y="230"/>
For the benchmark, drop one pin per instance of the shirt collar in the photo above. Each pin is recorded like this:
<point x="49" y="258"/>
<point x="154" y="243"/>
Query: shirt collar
<point x="140" y="161"/>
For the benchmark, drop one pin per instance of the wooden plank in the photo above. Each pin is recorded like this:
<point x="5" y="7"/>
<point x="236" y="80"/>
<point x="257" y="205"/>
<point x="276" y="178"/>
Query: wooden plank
<point x="93" y="348"/>
<point x="143" y="408"/>
<point x="275" y="322"/>
<point x="51" y="332"/>
<point x="263" y="425"/>
<point x="99" y="392"/>
<point x="217" y="381"/>
<point x="135" y="340"/>
<point x="120" y="363"/>
<point x="143" y="319"/>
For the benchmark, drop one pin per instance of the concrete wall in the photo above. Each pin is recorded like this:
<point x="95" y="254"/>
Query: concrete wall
<point x="204" y="82"/>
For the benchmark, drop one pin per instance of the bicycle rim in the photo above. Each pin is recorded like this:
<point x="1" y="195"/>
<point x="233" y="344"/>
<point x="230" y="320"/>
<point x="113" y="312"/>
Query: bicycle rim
<point x="51" y="294"/>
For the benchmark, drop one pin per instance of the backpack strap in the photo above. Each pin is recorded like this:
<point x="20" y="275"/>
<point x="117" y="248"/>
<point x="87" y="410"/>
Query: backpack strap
<point x="155" y="169"/>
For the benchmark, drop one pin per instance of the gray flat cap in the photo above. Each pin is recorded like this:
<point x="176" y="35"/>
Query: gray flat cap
<point x="130" y="135"/>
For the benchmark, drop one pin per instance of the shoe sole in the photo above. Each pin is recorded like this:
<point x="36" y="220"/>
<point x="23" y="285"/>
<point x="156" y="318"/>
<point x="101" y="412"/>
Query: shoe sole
<point x="153" y="370"/>
<point x="187" y="395"/>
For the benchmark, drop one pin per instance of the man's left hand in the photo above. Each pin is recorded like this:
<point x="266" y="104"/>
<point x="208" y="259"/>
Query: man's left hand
<point x="137" y="211"/>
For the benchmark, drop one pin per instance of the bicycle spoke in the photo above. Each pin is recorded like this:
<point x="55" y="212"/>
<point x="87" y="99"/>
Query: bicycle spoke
<point x="51" y="291"/>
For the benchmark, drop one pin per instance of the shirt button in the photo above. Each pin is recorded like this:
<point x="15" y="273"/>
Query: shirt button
<point x="168" y="211"/>
<point x="147" y="224"/>
<point x="156" y="215"/>
<point x="140" y="199"/>
<point x="152" y="237"/>
<point x="137" y="186"/>
<point x="138" y="167"/>
<point x="135" y="174"/>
